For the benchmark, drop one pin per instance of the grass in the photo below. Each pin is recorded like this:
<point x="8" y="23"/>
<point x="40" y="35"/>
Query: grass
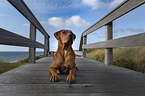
<point x="132" y="58"/>
<point x="4" y="66"/>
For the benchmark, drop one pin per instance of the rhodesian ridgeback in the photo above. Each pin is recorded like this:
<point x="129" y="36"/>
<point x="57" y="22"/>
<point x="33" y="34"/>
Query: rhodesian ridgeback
<point x="64" y="59"/>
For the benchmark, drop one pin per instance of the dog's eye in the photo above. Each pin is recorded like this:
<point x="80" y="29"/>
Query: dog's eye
<point x="63" y="32"/>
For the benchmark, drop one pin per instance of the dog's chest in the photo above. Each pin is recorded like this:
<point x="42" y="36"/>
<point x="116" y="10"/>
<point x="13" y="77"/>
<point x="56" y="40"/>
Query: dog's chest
<point x="65" y="53"/>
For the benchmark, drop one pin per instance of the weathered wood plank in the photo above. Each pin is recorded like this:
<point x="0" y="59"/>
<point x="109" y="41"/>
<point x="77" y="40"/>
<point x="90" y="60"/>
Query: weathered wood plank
<point x="130" y="41"/>
<point x="9" y="38"/>
<point x="26" y="12"/>
<point x="122" y="9"/>
<point x="96" y="80"/>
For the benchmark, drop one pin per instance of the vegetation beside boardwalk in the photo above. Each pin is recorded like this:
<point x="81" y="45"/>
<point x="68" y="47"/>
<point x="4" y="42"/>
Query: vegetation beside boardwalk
<point x="4" y="66"/>
<point x="132" y="58"/>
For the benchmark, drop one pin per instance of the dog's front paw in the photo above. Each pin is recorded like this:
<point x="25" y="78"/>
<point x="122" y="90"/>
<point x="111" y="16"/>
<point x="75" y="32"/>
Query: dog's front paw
<point x="54" y="78"/>
<point x="70" y="79"/>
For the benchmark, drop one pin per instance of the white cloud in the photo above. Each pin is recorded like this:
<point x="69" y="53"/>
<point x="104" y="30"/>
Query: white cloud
<point x="4" y="3"/>
<point x="122" y="32"/>
<point x="26" y="24"/>
<point x="119" y="30"/>
<point x="76" y="21"/>
<point x="52" y="6"/>
<point x="72" y="21"/>
<point x="3" y="15"/>
<point x="56" y="21"/>
<point x="114" y="3"/>
<point x="93" y="3"/>
<point x="135" y="30"/>
<point x="42" y="22"/>
<point x="128" y="29"/>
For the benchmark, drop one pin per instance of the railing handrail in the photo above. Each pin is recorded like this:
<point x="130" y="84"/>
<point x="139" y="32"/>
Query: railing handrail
<point x="110" y="43"/>
<point x="120" y="10"/>
<point x="129" y="41"/>
<point x="26" y="12"/>
<point x="9" y="38"/>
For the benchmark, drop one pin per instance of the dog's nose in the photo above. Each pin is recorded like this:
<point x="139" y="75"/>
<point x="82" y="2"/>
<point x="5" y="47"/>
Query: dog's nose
<point x="70" y="35"/>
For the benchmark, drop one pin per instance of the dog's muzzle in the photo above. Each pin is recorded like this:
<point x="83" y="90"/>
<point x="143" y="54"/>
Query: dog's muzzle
<point x="70" y="36"/>
<point x="70" y="39"/>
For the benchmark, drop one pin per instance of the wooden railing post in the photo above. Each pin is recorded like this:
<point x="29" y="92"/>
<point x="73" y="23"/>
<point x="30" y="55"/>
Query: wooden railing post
<point x="46" y="42"/>
<point x="81" y="43"/>
<point x="84" y="42"/>
<point x="108" y="51"/>
<point x="32" y="50"/>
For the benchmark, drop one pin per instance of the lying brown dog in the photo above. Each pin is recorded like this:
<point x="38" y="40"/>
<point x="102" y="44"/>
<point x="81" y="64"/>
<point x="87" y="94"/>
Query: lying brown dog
<point x="64" y="59"/>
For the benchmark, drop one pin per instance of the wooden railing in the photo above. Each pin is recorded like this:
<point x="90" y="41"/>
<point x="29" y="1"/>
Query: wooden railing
<point x="110" y="43"/>
<point x="9" y="38"/>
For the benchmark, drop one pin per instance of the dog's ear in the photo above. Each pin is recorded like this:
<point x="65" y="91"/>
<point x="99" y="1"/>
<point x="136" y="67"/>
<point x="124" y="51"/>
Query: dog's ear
<point x="74" y="36"/>
<point x="57" y="34"/>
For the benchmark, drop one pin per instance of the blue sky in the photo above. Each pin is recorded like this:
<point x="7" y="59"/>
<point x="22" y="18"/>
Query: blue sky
<point x="75" y="15"/>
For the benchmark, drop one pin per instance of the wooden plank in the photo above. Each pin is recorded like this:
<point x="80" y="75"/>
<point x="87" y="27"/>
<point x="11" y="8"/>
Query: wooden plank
<point x="122" y="9"/>
<point x="32" y="50"/>
<point x="130" y="41"/>
<point x="93" y="78"/>
<point x="9" y="38"/>
<point x="26" y="12"/>
<point x="108" y="51"/>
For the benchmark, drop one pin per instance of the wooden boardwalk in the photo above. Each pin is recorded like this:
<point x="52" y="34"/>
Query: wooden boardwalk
<point x="92" y="79"/>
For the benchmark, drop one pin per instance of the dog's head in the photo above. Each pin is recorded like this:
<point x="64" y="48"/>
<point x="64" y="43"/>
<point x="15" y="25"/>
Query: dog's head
<point x="65" y="36"/>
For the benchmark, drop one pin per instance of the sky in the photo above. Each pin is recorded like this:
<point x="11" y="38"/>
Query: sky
<point x="75" y="15"/>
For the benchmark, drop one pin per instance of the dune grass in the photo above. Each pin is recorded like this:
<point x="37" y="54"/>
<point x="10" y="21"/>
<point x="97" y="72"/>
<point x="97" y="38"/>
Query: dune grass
<point x="132" y="58"/>
<point x="5" y="66"/>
